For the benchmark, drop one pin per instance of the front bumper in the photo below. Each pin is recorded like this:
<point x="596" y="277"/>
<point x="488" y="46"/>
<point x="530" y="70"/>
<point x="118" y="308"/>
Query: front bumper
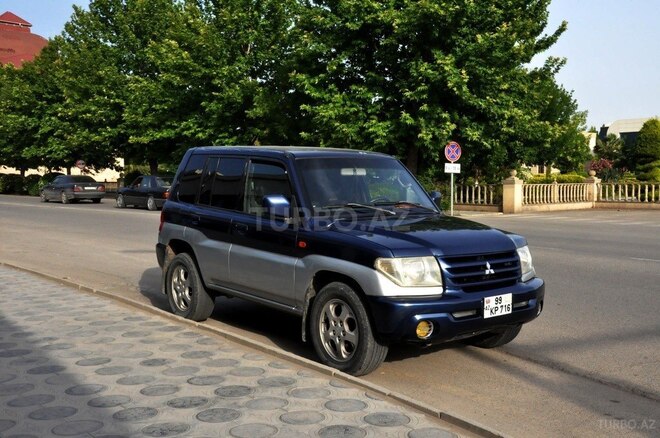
<point x="455" y="315"/>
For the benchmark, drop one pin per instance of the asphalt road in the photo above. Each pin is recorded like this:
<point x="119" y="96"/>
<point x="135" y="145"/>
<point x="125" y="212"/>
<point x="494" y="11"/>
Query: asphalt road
<point x="589" y="366"/>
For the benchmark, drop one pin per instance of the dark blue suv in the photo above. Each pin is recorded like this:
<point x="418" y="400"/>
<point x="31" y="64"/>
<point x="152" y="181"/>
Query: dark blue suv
<point x="349" y="241"/>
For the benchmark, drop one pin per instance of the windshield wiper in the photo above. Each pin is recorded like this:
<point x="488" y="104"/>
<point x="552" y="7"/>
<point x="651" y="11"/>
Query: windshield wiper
<point x="356" y="205"/>
<point x="408" y="203"/>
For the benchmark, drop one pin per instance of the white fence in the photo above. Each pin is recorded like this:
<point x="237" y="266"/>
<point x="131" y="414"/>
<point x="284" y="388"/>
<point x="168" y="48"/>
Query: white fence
<point x="556" y="193"/>
<point x="513" y="196"/>
<point x="629" y="192"/>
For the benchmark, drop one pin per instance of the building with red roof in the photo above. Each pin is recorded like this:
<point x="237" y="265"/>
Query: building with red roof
<point x="17" y="42"/>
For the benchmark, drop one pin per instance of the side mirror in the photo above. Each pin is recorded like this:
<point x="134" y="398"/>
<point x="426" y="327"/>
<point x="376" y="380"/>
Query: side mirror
<point x="277" y="206"/>
<point x="436" y="197"/>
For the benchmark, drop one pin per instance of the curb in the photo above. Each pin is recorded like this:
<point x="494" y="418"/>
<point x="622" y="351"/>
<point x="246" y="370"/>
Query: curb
<point x="453" y="419"/>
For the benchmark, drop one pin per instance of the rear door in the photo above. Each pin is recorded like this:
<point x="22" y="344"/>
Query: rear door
<point x="220" y="199"/>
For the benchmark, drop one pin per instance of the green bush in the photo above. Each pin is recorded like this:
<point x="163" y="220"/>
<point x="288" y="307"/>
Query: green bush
<point x="649" y="172"/>
<point x="11" y="184"/>
<point x="561" y="179"/>
<point x="32" y="184"/>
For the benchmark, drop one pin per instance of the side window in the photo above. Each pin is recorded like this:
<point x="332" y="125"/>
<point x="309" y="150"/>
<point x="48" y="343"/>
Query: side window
<point x="191" y="179"/>
<point x="207" y="181"/>
<point x="263" y="179"/>
<point x="227" y="190"/>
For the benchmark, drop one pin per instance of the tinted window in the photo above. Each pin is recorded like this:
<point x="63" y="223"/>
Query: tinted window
<point x="191" y="178"/>
<point x="227" y="189"/>
<point x="207" y="181"/>
<point x="265" y="179"/>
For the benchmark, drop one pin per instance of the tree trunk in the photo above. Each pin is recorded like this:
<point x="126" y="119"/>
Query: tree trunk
<point x="153" y="166"/>
<point x="412" y="159"/>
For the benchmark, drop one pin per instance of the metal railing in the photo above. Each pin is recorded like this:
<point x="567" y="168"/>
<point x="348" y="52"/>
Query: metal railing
<point x="555" y="193"/>
<point x="478" y="194"/>
<point x="629" y="192"/>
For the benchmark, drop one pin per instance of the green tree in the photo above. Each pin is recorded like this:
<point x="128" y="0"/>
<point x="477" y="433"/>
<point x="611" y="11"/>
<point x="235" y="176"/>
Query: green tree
<point x="405" y="77"/>
<point x="609" y="148"/>
<point x="647" y="157"/>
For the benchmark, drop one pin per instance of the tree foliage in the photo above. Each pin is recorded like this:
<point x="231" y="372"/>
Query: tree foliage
<point x="145" y="79"/>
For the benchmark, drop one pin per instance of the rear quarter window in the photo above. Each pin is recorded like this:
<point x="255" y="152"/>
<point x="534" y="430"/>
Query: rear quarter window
<point x="191" y="179"/>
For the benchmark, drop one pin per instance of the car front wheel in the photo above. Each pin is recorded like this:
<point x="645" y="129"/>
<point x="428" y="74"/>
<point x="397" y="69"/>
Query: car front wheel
<point x="186" y="293"/>
<point x="341" y="331"/>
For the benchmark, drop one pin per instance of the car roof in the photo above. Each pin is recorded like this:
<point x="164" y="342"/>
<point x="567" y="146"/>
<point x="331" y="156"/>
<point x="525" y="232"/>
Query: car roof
<point x="289" y="151"/>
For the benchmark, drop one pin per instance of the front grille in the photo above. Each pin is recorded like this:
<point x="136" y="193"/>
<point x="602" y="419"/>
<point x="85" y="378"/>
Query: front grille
<point x="481" y="272"/>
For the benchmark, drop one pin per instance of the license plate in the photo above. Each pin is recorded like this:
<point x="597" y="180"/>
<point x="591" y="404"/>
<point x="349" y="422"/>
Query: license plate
<point x="90" y="188"/>
<point x="497" y="305"/>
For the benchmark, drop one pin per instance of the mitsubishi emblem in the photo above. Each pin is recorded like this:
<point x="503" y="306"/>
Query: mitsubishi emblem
<point x="488" y="270"/>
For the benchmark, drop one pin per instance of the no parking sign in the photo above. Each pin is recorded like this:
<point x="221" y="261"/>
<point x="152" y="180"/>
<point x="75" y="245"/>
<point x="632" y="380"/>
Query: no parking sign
<point x="452" y="151"/>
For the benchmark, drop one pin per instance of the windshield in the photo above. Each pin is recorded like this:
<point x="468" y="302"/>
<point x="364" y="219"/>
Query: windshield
<point x="367" y="181"/>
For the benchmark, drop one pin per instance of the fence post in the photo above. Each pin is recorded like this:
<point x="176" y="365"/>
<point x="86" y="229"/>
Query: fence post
<point x="512" y="194"/>
<point x="592" y="188"/>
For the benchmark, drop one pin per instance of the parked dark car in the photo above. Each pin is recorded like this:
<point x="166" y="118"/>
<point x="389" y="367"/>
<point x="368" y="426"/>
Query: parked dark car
<point x="148" y="191"/>
<point x="73" y="188"/>
<point x="347" y="240"/>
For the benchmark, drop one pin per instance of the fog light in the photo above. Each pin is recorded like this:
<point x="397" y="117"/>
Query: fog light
<point x="424" y="329"/>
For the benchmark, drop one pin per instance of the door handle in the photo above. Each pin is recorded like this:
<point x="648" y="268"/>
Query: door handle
<point x="194" y="219"/>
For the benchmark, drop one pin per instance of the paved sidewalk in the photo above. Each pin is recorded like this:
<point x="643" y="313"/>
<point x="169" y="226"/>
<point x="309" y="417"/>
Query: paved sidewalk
<point x="76" y="364"/>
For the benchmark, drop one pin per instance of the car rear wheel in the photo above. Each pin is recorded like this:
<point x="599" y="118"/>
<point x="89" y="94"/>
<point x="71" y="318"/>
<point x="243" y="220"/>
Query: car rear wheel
<point x="496" y="338"/>
<point x="43" y="197"/>
<point x="120" y="201"/>
<point x="341" y="331"/>
<point x="186" y="293"/>
<point x="65" y="200"/>
<point x="151" y="203"/>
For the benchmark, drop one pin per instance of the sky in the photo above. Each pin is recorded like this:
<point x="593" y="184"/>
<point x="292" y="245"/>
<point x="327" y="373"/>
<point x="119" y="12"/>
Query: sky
<point x="612" y="49"/>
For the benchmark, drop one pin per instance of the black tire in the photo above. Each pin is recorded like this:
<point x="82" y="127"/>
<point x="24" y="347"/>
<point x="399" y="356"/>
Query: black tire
<point x="341" y="332"/>
<point x="185" y="291"/>
<point x="42" y="196"/>
<point x="151" y="204"/>
<point x="496" y="338"/>
<point x="64" y="199"/>
<point x="96" y="200"/>
<point x="120" y="201"/>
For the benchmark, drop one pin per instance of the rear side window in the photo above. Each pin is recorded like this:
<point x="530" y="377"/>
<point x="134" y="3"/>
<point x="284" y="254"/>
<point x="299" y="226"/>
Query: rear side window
<point x="227" y="190"/>
<point x="191" y="179"/>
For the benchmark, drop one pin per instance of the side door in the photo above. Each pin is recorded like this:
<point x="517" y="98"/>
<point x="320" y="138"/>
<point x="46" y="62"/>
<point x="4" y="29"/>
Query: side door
<point x="263" y="253"/>
<point x="220" y="199"/>
<point x="130" y="193"/>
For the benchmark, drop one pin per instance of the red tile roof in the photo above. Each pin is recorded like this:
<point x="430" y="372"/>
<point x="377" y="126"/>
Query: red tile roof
<point x="17" y="43"/>
<point x="11" y="18"/>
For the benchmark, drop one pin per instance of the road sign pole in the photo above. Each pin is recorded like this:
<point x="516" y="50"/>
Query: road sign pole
<point x="451" y="199"/>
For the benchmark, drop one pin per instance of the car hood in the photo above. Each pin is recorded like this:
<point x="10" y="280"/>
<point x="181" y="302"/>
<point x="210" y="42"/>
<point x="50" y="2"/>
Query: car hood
<point x="436" y="235"/>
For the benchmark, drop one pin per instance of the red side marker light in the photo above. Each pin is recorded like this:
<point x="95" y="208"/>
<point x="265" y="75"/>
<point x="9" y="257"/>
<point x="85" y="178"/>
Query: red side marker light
<point x="302" y="244"/>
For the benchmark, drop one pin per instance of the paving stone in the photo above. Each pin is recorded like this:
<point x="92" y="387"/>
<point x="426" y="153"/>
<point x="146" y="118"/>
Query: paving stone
<point x="123" y="373"/>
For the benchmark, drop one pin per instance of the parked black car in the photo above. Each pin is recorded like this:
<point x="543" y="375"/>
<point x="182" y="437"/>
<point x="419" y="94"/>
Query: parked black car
<point x="148" y="191"/>
<point x="73" y="188"/>
<point x="347" y="240"/>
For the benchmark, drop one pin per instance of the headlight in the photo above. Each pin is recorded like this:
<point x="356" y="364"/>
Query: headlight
<point x="411" y="271"/>
<point x="526" y="265"/>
